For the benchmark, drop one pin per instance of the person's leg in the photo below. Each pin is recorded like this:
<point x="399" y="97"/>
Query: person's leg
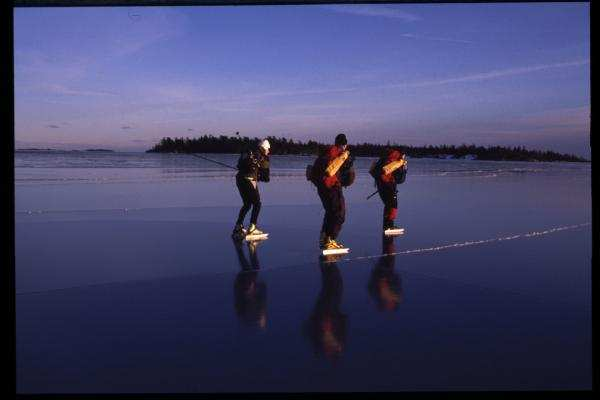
<point x="256" y="204"/>
<point x="323" y="196"/>
<point x="326" y="227"/>
<point x="390" y="201"/>
<point x="338" y="212"/>
<point x="244" y="186"/>
<point x="384" y="196"/>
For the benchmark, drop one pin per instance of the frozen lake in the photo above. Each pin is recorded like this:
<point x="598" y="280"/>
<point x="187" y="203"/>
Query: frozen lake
<point x="127" y="279"/>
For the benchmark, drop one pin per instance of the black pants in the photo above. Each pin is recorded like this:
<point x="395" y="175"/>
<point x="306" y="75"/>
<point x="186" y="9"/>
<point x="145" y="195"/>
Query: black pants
<point x="250" y="197"/>
<point x="388" y="194"/>
<point x="335" y="210"/>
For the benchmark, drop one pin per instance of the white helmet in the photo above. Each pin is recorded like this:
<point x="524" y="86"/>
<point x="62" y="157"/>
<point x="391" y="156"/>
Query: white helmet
<point x="265" y="145"/>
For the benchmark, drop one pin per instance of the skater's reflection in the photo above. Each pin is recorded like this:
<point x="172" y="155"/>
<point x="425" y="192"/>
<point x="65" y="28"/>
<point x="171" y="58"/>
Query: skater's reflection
<point x="385" y="286"/>
<point x="250" y="294"/>
<point x="326" y="327"/>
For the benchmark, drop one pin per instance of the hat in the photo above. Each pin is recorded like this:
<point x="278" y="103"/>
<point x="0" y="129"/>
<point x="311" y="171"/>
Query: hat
<point x="340" y="140"/>
<point x="265" y="144"/>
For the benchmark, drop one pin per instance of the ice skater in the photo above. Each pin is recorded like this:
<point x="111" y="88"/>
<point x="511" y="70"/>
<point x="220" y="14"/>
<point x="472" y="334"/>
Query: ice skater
<point x="332" y="170"/>
<point x="253" y="166"/>
<point x="389" y="171"/>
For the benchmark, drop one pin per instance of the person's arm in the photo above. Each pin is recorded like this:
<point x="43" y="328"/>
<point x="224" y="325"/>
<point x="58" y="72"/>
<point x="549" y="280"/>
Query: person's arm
<point x="375" y="169"/>
<point x="264" y="169"/>
<point x="400" y="173"/>
<point x="390" y="167"/>
<point x="244" y="161"/>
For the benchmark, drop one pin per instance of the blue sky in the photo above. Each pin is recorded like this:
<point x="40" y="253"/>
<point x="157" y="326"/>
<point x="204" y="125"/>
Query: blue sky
<point x="121" y="78"/>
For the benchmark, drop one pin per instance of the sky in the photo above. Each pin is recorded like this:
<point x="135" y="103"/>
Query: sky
<point x="414" y="74"/>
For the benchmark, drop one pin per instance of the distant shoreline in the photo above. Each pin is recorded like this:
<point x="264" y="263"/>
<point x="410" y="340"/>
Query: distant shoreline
<point x="63" y="150"/>
<point x="281" y="146"/>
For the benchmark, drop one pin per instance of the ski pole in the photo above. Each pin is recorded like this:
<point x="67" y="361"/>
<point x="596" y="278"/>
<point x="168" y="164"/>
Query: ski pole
<point x="372" y="194"/>
<point x="214" y="161"/>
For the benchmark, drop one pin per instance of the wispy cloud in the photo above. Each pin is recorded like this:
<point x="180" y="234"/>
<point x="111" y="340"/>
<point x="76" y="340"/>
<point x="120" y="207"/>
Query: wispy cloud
<point x="178" y="92"/>
<point x="41" y="68"/>
<point x="182" y="100"/>
<point x="300" y="92"/>
<point x="501" y="73"/>
<point x="481" y="76"/>
<point x="560" y="122"/>
<point x="45" y="65"/>
<point x="64" y="90"/>
<point x="190" y="103"/>
<point x="137" y="29"/>
<point x="374" y="11"/>
<point x="53" y="126"/>
<point x="126" y="127"/>
<point x="436" y="39"/>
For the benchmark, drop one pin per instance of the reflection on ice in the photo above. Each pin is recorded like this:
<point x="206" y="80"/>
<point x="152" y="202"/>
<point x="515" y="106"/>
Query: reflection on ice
<point x="326" y="326"/>
<point x="250" y="293"/>
<point x="385" y="285"/>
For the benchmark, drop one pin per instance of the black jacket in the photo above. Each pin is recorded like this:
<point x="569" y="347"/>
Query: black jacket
<point x="253" y="164"/>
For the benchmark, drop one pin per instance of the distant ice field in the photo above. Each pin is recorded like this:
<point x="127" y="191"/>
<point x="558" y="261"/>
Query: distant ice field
<point x="68" y="181"/>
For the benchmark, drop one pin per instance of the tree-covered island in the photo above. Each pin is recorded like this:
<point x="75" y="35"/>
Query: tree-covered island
<point x="282" y="146"/>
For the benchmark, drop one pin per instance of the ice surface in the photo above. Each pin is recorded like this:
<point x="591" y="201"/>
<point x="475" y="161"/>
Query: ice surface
<point x="135" y="285"/>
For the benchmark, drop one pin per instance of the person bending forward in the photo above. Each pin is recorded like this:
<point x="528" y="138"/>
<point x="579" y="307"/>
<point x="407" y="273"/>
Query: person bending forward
<point x="253" y="166"/>
<point x="388" y="172"/>
<point x="329" y="168"/>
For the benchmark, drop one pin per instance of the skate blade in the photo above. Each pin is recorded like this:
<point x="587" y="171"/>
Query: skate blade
<point x="251" y="238"/>
<point x="335" y="251"/>
<point x="394" y="232"/>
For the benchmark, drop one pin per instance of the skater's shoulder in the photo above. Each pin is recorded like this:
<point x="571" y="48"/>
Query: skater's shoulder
<point x="334" y="151"/>
<point x="392" y="154"/>
<point x="249" y="148"/>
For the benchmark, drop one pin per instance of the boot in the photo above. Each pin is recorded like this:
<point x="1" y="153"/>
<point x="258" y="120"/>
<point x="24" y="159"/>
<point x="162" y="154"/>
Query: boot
<point x="326" y="243"/>
<point x="253" y="230"/>
<point x="389" y="224"/>
<point x="329" y="244"/>
<point x="337" y="245"/>
<point x="322" y="239"/>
